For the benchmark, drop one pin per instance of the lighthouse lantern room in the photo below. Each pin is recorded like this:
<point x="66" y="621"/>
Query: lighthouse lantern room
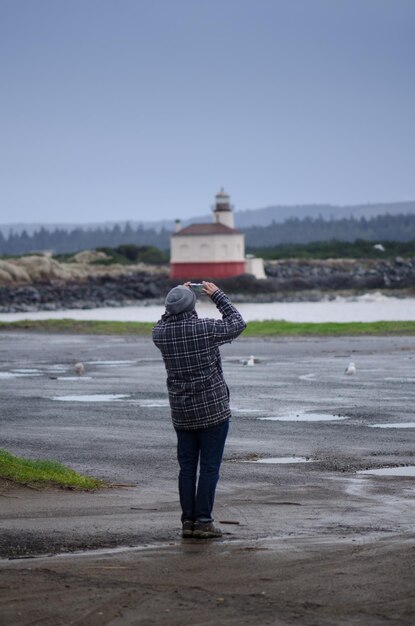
<point x="213" y="250"/>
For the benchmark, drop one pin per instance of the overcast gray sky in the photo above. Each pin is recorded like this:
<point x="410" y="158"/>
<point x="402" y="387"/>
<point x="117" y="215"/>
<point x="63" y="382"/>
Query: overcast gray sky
<point x="142" y="109"/>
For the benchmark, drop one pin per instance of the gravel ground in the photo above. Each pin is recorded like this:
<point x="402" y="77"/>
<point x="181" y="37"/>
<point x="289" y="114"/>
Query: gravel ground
<point x="315" y="542"/>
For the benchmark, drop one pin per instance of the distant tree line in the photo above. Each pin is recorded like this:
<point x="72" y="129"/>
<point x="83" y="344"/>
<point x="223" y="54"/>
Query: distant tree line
<point x="296" y="231"/>
<point x="293" y="231"/>
<point x="60" y="241"/>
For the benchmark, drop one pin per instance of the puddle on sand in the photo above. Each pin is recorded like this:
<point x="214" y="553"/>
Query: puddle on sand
<point x="112" y="363"/>
<point x="303" y="417"/>
<point x="237" y="409"/>
<point x="74" y="378"/>
<point x="281" y="460"/>
<point x="152" y="403"/>
<point x="103" y="397"/>
<point x="88" y="553"/>
<point x="396" y="425"/>
<point x="15" y="374"/>
<point x="409" y="470"/>
<point x="25" y="370"/>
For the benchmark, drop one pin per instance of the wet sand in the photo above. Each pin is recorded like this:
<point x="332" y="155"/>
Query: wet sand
<point x="315" y="543"/>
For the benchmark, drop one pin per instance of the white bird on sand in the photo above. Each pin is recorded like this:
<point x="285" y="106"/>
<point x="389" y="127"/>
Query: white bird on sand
<point x="350" y="369"/>
<point x="251" y="361"/>
<point x="79" y="369"/>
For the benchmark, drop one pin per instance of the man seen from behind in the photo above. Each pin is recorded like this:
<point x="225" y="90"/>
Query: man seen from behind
<point x="198" y="396"/>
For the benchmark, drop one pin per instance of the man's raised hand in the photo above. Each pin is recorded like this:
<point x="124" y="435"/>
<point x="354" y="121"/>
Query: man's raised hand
<point x="209" y="288"/>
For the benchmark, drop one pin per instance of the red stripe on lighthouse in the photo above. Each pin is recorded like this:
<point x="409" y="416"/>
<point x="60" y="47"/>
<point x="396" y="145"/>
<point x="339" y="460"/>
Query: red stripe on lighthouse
<point x="207" y="270"/>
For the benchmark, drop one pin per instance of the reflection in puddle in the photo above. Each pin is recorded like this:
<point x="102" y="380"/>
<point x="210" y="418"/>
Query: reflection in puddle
<point x="281" y="460"/>
<point x="397" y="425"/>
<point x="103" y="397"/>
<point x="303" y="417"/>
<point x="355" y="486"/>
<point x="152" y="403"/>
<point x="391" y="471"/>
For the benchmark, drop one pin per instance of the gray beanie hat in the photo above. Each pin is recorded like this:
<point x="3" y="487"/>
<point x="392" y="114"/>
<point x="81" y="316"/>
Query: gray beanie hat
<point x="180" y="299"/>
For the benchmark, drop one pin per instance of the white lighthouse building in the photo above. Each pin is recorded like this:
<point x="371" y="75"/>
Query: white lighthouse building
<point x="213" y="250"/>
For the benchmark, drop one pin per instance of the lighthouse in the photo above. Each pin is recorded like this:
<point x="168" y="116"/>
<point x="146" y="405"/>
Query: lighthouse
<point x="212" y="250"/>
<point x="222" y="213"/>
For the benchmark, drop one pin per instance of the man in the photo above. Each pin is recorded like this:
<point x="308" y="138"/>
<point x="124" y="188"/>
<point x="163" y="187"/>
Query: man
<point x="199" y="397"/>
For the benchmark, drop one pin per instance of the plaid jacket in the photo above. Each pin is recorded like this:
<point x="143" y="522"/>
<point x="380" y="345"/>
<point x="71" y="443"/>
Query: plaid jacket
<point x="198" y="394"/>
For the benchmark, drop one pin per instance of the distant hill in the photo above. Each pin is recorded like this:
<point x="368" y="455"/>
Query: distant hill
<point x="243" y="219"/>
<point x="279" y="214"/>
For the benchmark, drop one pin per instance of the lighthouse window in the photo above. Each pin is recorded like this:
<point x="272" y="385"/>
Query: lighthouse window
<point x="204" y="251"/>
<point x="224" y="249"/>
<point x="184" y="251"/>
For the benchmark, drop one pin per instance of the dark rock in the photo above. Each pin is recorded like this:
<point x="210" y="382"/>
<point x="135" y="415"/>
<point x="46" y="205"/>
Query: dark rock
<point x="288" y="280"/>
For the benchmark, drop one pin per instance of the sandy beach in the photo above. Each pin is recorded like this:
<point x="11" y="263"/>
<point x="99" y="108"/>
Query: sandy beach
<point x="309" y="537"/>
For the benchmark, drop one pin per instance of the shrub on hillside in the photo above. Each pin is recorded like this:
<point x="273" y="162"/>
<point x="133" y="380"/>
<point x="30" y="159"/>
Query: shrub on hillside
<point x="130" y="253"/>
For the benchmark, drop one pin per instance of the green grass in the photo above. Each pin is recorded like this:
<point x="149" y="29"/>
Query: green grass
<point x="43" y="473"/>
<point x="89" y="327"/>
<point x="269" y="328"/>
<point x="359" y="249"/>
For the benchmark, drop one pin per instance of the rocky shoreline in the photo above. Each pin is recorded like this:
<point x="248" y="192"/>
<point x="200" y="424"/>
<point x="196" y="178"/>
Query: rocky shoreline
<point x="287" y="280"/>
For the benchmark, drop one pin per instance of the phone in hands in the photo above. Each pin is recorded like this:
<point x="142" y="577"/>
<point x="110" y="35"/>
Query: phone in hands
<point x="197" y="287"/>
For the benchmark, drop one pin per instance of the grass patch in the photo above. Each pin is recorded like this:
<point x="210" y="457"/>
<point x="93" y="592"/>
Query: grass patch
<point x="359" y="249"/>
<point x="269" y="328"/>
<point x="272" y="328"/>
<point x="89" y="327"/>
<point x="43" y="473"/>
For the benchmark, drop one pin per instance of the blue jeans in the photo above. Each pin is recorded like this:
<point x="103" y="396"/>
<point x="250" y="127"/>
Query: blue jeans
<point x="204" y="447"/>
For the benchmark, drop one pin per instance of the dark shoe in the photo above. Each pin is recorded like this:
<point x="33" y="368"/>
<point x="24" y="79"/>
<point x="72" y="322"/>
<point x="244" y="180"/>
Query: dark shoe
<point x="187" y="529"/>
<point x="206" y="530"/>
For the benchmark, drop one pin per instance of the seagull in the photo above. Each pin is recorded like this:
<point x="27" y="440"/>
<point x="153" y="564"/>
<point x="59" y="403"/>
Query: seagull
<point x="350" y="369"/>
<point x="250" y="361"/>
<point x="79" y="369"/>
